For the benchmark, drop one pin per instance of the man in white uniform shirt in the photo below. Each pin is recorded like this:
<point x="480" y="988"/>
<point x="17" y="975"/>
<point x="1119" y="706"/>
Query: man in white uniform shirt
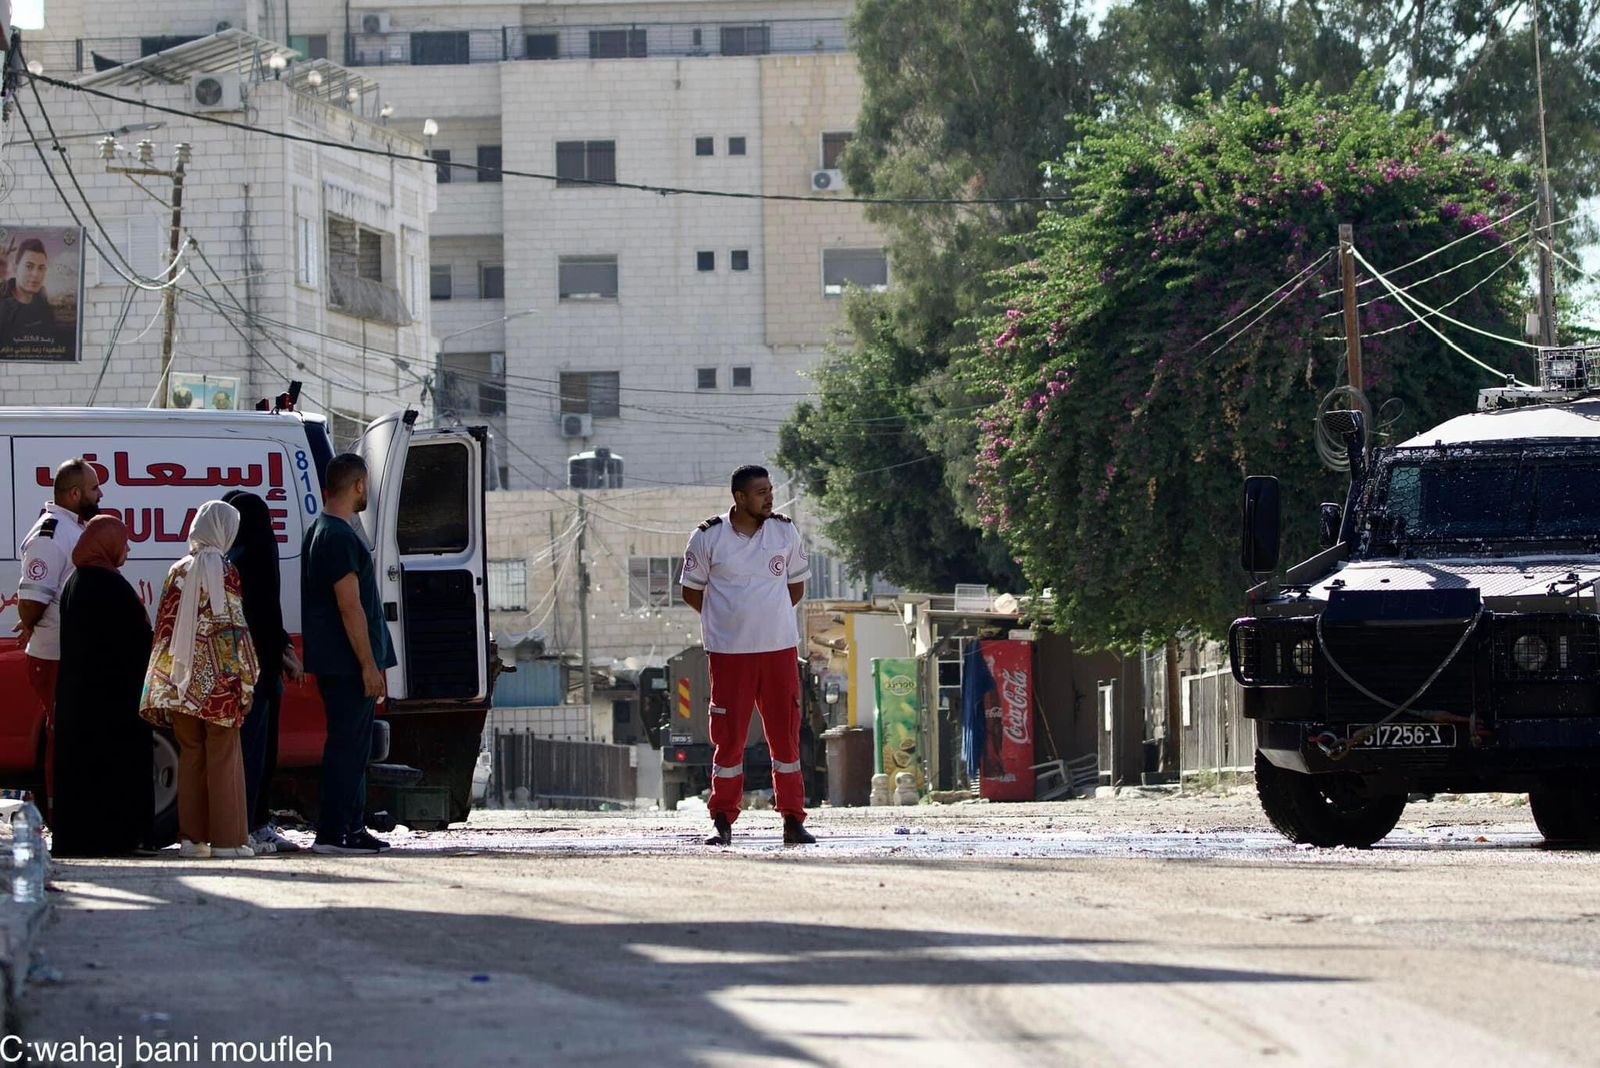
<point x="744" y="572"/>
<point x="46" y="565"/>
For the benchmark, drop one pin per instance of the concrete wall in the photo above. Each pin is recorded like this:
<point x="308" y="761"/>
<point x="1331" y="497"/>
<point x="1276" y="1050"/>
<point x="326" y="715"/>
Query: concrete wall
<point x="803" y="97"/>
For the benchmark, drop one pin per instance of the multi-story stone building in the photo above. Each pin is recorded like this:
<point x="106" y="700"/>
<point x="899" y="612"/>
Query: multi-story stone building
<point x="573" y="312"/>
<point x="305" y="260"/>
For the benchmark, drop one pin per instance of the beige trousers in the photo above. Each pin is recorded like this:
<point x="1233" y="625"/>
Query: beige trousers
<point x="211" y="799"/>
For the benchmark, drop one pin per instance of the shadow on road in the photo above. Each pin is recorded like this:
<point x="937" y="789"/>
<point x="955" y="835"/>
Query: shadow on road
<point x="585" y="989"/>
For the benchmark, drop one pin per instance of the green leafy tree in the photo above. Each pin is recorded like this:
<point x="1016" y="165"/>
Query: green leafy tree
<point x="863" y="453"/>
<point x="1112" y="464"/>
<point x="966" y="98"/>
<point x="962" y="99"/>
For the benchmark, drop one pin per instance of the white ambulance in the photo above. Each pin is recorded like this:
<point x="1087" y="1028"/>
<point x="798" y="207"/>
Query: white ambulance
<point x="424" y="521"/>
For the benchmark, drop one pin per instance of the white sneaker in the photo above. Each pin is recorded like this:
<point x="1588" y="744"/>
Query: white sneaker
<point x="232" y="852"/>
<point x="281" y="844"/>
<point x="195" y="850"/>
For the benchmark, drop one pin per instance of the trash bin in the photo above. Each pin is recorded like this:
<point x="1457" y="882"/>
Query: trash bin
<point x="849" y="753"/>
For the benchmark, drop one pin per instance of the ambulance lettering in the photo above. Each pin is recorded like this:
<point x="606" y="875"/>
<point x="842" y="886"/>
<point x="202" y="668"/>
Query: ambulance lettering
<point x="173" y="474"/>
<point x="169" y="522"/>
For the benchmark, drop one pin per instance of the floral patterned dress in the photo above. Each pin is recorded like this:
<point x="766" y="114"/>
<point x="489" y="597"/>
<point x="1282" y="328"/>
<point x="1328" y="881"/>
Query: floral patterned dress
<point x="222" y="678"/>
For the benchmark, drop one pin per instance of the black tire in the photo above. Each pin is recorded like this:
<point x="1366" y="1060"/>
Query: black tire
<point x="1567" y="813"/>
<point x="1318" y="810"/>
<point x="164" y="824"/>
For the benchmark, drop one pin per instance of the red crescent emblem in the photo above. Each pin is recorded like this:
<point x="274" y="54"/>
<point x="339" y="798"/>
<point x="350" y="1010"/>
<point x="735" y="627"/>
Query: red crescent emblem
<point x="37" y="570"/>
<point x="775" y="565"/>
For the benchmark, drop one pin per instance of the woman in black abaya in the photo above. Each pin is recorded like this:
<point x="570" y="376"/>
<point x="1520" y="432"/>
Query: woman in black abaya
<point x="255" y="554"/>
<point x="104" y="765"/>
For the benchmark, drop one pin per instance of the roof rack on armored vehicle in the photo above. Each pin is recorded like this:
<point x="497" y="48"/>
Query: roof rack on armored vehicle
<point x="1568" y="373"/>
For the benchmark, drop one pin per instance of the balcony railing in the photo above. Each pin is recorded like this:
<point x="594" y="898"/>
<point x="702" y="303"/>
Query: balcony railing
<point x="366" y="299"/>
<point x="638" y="40"/>
<point x="635" y="40"/>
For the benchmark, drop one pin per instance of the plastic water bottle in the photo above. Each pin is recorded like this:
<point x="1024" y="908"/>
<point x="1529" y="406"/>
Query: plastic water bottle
<point x="27" y="857"/>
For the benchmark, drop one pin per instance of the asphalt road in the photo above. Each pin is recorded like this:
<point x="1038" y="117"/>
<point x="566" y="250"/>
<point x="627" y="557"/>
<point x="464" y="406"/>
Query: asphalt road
<point x="1131" y="931"/>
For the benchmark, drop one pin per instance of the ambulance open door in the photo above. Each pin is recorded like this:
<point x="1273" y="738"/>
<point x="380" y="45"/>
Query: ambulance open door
<point x="425" y="519"/>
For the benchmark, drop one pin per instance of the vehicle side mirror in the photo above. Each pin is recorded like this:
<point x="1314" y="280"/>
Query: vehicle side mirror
<point x="1262" y="514"/>
<point x="1332" y="519"/>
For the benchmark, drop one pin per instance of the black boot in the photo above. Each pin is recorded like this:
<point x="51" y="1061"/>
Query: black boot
<point x="795" y="833"/>
<point x="724" y="835"/>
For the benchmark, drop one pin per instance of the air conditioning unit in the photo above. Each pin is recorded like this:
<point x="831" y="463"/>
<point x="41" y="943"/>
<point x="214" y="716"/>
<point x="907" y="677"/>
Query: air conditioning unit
<point x="577" y="426"/>
<point x="827" y="181"/>
<point x="216" y="92"/>
<point x="374" y="22"/>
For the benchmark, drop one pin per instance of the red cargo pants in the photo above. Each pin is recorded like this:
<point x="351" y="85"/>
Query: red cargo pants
<point x="740" y="683"/>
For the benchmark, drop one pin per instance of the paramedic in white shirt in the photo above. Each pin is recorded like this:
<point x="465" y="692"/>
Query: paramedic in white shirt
<point x="744" y="572"/>
<point x="46" y="565"/>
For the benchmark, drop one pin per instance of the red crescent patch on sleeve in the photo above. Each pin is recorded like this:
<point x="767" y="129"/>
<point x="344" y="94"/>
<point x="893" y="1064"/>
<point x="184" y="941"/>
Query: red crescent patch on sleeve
<point x="38" y="570"/>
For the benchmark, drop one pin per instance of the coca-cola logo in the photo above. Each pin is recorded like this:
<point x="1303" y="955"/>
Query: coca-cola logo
<point x="1014" y="706"/>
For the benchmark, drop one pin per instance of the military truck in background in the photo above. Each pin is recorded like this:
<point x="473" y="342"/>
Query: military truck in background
<point x="1447" y="638"/>
<point x="674" y="700"/>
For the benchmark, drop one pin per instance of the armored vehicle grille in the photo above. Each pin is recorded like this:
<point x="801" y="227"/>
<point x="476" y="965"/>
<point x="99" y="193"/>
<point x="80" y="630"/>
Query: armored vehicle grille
<point x="1393" y="662"/>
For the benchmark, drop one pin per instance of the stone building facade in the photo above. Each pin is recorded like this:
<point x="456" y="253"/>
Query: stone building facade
<point x="677" y="331"/>
<point x="309" y="263"/>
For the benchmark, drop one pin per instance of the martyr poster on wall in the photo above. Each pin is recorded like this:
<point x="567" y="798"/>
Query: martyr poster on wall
<point x="41" y="292"/>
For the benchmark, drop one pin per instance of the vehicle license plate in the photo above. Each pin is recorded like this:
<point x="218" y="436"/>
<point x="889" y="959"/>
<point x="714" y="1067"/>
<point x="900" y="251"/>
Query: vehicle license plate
<point x="1404" y="736"/>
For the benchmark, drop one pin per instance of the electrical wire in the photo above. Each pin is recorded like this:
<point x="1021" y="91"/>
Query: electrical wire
<point x="1510" y="248"/>
<point x="755" y="422"/>
<point x="88" y="206"/>
<point x="1458" y="298"/>
<point x="1445" y="247"/>
<point x="108" y="260"/>
<point x="1436" y="313"/>
<point x="511" y="382"/>
<point x="1407" y="302"/>
<point x="1591" y="275"/>
<point x="641" y="187"/>
<point x="111" y="345"/>
<point x="1330" y="446"/>
<point x="1304" y="277"/>
<point x="1298" y="275"/>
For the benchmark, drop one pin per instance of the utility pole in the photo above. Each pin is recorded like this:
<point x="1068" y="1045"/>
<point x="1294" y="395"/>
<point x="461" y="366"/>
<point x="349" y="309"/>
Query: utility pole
<point x="169" y="294"/>
<point x="1547" y="265"/>
<point x="1352" y="315"/>
<point x="583" y="598"/>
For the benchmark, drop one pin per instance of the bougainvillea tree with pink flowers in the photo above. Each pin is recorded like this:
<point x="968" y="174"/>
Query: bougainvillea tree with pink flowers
<point x="1179" y="327"/>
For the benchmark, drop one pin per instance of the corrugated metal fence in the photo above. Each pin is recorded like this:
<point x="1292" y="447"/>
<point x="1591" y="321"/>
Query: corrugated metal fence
<point x="533" y="772"/>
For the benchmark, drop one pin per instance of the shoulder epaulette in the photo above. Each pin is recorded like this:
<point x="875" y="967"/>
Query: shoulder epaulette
<point x="780" y="515"/>
<point x="709" y="523"/>
<point x="47" y="529"/>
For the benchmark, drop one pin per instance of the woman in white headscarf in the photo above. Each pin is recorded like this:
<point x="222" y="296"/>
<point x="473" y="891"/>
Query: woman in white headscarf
<point x="202" y="676"/>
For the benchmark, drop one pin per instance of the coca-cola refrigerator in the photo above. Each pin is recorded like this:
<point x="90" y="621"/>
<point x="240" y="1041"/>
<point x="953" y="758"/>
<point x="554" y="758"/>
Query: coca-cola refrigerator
<point x="1007" y="772"/>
